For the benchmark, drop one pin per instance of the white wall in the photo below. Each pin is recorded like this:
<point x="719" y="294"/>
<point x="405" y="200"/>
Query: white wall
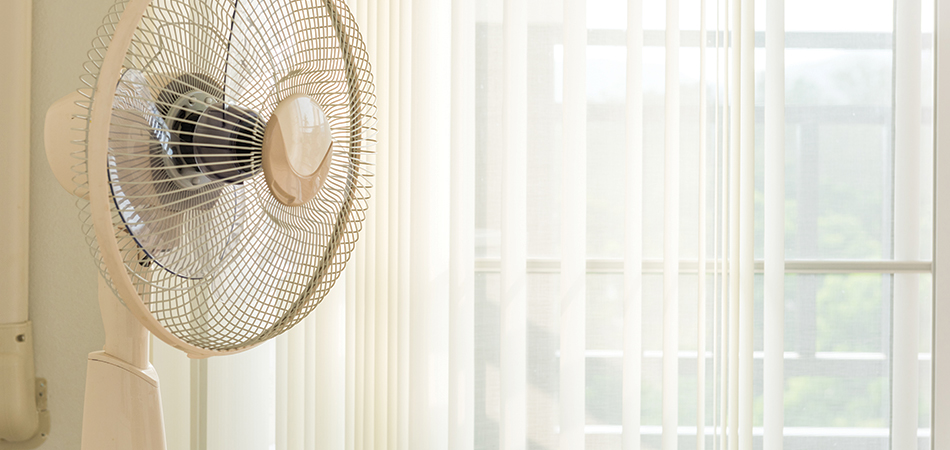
<point x="63" y="304"/>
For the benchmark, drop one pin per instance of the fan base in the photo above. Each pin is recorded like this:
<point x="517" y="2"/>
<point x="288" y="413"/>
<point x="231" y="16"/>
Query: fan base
<point x="123" y="408"/>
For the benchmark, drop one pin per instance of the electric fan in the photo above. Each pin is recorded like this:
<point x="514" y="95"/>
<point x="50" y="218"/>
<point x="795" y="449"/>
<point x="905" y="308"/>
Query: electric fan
<point x="222" y="181"/>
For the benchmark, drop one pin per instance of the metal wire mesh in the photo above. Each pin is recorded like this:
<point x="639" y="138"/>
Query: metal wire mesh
<point x="218" y="261"/>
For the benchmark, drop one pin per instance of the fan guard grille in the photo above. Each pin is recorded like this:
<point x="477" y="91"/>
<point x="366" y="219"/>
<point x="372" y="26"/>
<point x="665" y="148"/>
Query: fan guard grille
<point x="224" y="266"/>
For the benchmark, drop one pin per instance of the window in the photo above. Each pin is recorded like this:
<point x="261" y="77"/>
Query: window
<point x="460" y="337"/>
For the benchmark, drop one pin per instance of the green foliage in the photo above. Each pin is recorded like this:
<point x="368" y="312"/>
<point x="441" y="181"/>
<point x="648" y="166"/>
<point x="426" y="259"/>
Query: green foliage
<point x="849" y="310"/>
<point x="858" y="401"/>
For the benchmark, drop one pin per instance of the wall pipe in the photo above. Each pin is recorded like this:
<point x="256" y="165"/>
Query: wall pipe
<point x="19" y="420"/>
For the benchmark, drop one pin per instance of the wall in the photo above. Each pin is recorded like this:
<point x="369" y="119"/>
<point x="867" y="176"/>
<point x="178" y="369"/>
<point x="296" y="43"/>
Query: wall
<point x="63" y="303"/>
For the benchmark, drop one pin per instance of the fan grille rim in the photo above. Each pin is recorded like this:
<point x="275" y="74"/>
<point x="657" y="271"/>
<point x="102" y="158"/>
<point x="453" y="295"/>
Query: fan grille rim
<point x="108" y="255"/>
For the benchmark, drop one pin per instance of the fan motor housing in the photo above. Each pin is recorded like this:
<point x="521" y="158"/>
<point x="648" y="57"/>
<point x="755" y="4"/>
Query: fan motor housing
<point x="210" y="140"/>
<point x="225" y="141"/>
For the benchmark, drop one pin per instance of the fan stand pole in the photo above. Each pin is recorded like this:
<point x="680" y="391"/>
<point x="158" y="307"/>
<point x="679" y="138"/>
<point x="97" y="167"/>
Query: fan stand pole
<point x="123" y="408"/>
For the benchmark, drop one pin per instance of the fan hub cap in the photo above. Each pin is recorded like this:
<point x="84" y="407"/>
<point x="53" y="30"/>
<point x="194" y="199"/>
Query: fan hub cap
<point x="296" y="153"/>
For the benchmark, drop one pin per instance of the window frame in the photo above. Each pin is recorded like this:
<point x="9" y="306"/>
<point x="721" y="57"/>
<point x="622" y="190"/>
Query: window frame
<point x="940" y="406"/>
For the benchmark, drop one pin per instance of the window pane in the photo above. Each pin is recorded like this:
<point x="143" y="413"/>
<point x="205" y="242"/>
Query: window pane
<point x="544" y="340"/>
<point x="838" y="151"/>
<point x="837" y="361"/>
<point x="487" y="336"/>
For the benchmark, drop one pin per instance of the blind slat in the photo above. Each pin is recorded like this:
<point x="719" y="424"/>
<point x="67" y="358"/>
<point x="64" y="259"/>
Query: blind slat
<point x="573" y="285"/>
<point x="717" y="213"/>
<point x="735" y="122"/>
<point x="310" y="385"/>
<point x="734" y="177"/>
<point x="404" y="50"/>
<point x="349" y="281"/>
<point x="295" y="385"/>
<point x="725" y="233"/>
<point x="429" y="233"/>
<point x="359" y="390"/>
<point x="366" y="262"/>
<point x="907" y="104"/>
<point x="282" y="387"/>
<point x="512" y="426"/>
<point x="671" y="201"/>
<point x="462" y="220"/>
<point x="397" y="343"/>
<point x="382" y="230"/>
<point x="774" y="251"/>
<point x="633" y="231"/>
<point x="329" y="370"/>
<point x="701" y="242"/>
<point x="370" y="253"/>
<point x="746" y="222"/>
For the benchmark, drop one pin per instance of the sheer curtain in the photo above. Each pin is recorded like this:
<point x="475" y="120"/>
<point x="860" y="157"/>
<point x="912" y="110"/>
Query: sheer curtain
<point x="617" y="224"/>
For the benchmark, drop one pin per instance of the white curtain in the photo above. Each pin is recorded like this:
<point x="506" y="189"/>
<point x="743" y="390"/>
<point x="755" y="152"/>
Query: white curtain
<point x="633" y="224"/>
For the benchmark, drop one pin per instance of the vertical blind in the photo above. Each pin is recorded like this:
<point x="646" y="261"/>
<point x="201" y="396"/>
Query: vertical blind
<point x="631" y="224"/>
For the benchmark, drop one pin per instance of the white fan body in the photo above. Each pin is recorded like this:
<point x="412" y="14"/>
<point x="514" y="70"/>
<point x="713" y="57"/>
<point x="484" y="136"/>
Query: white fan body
<point x="122" y="406"/>
<point x="298" y="157"/>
